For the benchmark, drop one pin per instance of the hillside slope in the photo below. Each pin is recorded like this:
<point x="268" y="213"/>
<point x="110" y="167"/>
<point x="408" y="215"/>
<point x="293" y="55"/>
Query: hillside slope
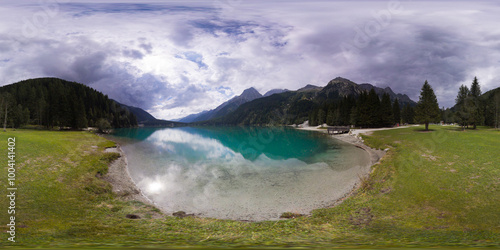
<point x="225" y="108"/>
<point x="54" y="102"/>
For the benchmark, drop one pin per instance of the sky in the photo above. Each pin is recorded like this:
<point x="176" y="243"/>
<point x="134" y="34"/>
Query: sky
<point x="175" y="58"/>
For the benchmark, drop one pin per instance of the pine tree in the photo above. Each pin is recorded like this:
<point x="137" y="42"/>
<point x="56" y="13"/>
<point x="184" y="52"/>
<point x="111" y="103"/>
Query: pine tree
<point x="427" y="109"/>
<point x="313" y="118"/>
<point x="386" y="115"/>
<point x="408" y="114"/>
<point x="5" y="103"/>
<point x="354" y="116"/>
<point x="373" y="103"/>
<point x="330" y="114"/>
<point x="476" y="111"/>
<point x="321" y="117"/>
<point x="362" y="114"/>
<point x="462" y="114"/>
<point x="449" y="116"/>
<point x="475" y="89"/>
<point x="396" y="111"/>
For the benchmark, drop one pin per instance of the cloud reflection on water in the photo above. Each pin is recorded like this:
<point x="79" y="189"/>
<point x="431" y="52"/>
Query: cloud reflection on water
<point x="186" y="169"/>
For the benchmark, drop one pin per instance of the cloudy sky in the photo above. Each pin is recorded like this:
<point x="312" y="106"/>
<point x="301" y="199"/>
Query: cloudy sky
<point x="174" y="58"/>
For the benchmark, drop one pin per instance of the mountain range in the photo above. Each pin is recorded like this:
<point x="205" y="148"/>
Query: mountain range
<point x="277" y="106"/>
<point x="225" y="108"/>
<point x="300" y="101"/>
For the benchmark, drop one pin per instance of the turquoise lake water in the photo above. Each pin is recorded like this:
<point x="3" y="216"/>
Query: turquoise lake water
<point x="244" y="173"/>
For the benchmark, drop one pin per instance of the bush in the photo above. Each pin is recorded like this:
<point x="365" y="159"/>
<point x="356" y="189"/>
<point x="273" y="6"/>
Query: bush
<point x="104" y="126"/>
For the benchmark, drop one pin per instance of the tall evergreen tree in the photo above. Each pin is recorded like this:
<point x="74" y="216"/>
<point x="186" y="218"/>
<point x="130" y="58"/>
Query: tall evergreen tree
<point x="463" y="111"/>
<point x="330" y="114"/>
<point x="475" y="89"/>
<point x="313" y="118"/>
<point x="354" y="116"/>
<point x="396" y="111"/>
<point x="408" y="114"/>
<point x="345" y="109"/>
<point x="449" y="116"/>
<point x="321" y="116"/>
<point x="6" y="101"/>
<point x="476" y="111"/>
<point x="362" y="114"/>
<point x="427" y="109"/>
<point x="373" y="109"/>
<point x="386" y="115"/>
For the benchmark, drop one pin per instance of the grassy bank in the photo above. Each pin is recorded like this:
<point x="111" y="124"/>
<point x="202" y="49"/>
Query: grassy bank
<point x="437" y="188"/>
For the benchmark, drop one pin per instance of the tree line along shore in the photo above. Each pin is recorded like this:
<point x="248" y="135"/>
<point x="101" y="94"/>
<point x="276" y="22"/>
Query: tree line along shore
<point x="55" y="103"/>
<point x="369" y="111"/>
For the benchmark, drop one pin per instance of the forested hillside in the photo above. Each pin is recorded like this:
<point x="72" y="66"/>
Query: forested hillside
<point x="340" y="102"/>
<point x="225" y="108"/>
<point x="53" y="102"/>
<point x="491" y="100"/>
<point x="473" y="108"/>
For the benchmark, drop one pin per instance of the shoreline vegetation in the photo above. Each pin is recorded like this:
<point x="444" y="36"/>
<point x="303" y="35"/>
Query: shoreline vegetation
<point x="429" y="190"/>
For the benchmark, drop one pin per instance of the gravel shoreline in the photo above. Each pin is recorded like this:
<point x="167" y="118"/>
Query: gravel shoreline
<point x="354" y="138"/>
<point x="119" y="178"/>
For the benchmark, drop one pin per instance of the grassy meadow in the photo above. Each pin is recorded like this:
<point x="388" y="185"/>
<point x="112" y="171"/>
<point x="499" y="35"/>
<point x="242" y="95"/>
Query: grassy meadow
<point x="438" y="188"/>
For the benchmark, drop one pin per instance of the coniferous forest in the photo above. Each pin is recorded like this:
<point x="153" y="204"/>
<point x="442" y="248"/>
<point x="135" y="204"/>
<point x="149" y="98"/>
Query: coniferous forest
<point x="52" y="102"/>
<point x="365" y="110"/>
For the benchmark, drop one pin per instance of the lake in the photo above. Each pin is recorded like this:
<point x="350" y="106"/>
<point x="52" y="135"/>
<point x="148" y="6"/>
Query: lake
<point x="243" y="173"/>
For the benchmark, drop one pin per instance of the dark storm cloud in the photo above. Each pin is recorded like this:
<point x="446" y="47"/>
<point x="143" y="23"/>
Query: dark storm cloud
<point x="90" y="68"/>
<point x="149" y="92"/>
<point x="143" y="91"/>
<point x="86" y="63"/>
<point x="147" y="47"/>
<point x="135" y="54"/>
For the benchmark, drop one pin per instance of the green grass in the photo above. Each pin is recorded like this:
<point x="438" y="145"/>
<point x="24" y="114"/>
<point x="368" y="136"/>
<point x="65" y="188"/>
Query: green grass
<point x="438" y="188"/>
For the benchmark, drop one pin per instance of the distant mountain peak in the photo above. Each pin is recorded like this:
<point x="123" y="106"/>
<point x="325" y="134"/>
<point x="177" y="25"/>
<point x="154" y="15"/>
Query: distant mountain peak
<point x="341" y="80"/>
<point x="338" y="78"/>
<point x="275" y="91"/>
<point x="309" y="87"/>
<point x="247" y="95"/>
<point x="388" y="89"/>
<point x="250" y="93"/>
<point x="403" y="98"/>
